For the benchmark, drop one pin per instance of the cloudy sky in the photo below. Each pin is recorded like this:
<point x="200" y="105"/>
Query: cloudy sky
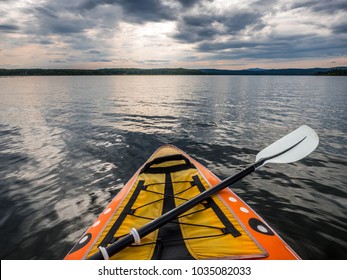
<point x="224" y="34"/>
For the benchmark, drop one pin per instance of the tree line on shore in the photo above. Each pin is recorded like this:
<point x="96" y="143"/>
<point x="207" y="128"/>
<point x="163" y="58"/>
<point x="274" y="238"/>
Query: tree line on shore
<point x="337" y="71"/>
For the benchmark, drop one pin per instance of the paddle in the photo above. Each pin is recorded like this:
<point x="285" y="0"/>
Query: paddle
<point x="292" y="147"/>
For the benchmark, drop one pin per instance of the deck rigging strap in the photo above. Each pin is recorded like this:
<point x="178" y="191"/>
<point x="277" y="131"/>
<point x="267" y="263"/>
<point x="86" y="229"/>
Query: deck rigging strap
<point x="229" y="226"/>
<point x="208" y="203"/>
<point x="171" y="232"/>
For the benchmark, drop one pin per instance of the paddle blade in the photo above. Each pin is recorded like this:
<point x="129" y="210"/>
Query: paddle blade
<point x="292" y="147"/>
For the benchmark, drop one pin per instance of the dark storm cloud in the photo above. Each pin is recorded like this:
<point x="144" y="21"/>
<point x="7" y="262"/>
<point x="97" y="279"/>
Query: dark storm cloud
<point x="8" y="28"/>
<point x="143" y="10"/>
<point x="45" y="12"/>
<point x="204" y="23"/>
<point x="50" y="19"/>
<point x="216" y="46"/>
<point x="65" y="27"/>
<point x="222" y="36"/>
<point x="340" y="28"/>
<point x="134" y="10"/>
<point x="327" y="7"/>
<point x="270" y="45"/>
<point x="196" y="28"/>
<point x="188" y="3"/>
<point x="286" y="47"/>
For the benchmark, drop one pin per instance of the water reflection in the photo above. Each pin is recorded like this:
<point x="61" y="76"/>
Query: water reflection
<point x="68" y="144"/>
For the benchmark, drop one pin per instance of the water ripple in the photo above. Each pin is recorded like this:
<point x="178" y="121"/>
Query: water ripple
<point x="69" y="144"/>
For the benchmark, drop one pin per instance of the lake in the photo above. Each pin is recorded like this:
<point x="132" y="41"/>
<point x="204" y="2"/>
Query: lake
<point x="68" y="144"/>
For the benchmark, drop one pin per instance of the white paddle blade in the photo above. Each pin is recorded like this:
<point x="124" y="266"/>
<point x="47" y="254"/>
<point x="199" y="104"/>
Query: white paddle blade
<point x="292" y="147"/>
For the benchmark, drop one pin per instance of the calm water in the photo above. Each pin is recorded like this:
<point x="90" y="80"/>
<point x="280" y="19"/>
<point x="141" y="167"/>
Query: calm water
<point x="68" y="144"/>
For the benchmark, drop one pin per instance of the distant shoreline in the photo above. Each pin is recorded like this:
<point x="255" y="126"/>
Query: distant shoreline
<point x="335" y="71"/>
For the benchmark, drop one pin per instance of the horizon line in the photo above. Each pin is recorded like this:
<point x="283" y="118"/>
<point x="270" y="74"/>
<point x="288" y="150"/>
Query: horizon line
<point x="175" y="68"/>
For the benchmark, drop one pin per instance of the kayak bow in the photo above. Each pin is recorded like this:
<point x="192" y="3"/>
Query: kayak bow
<point x="169" y="209"/>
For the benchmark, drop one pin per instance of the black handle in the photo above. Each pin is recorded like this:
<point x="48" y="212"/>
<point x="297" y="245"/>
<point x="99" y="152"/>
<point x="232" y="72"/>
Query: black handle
<point x="149" y="169"/>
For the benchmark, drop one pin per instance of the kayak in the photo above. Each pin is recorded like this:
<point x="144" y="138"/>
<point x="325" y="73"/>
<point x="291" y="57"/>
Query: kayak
<point x="222" y="226"/>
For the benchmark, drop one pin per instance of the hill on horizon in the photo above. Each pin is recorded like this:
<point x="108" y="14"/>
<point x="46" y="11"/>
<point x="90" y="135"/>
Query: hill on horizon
<point x="334" y="71"/>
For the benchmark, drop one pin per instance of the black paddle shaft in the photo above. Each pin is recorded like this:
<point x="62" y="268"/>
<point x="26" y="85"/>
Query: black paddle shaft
<point x="174" y="213"/>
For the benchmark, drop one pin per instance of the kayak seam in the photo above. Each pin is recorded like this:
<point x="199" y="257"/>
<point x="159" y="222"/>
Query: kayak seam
<point x="242" y="224"/>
